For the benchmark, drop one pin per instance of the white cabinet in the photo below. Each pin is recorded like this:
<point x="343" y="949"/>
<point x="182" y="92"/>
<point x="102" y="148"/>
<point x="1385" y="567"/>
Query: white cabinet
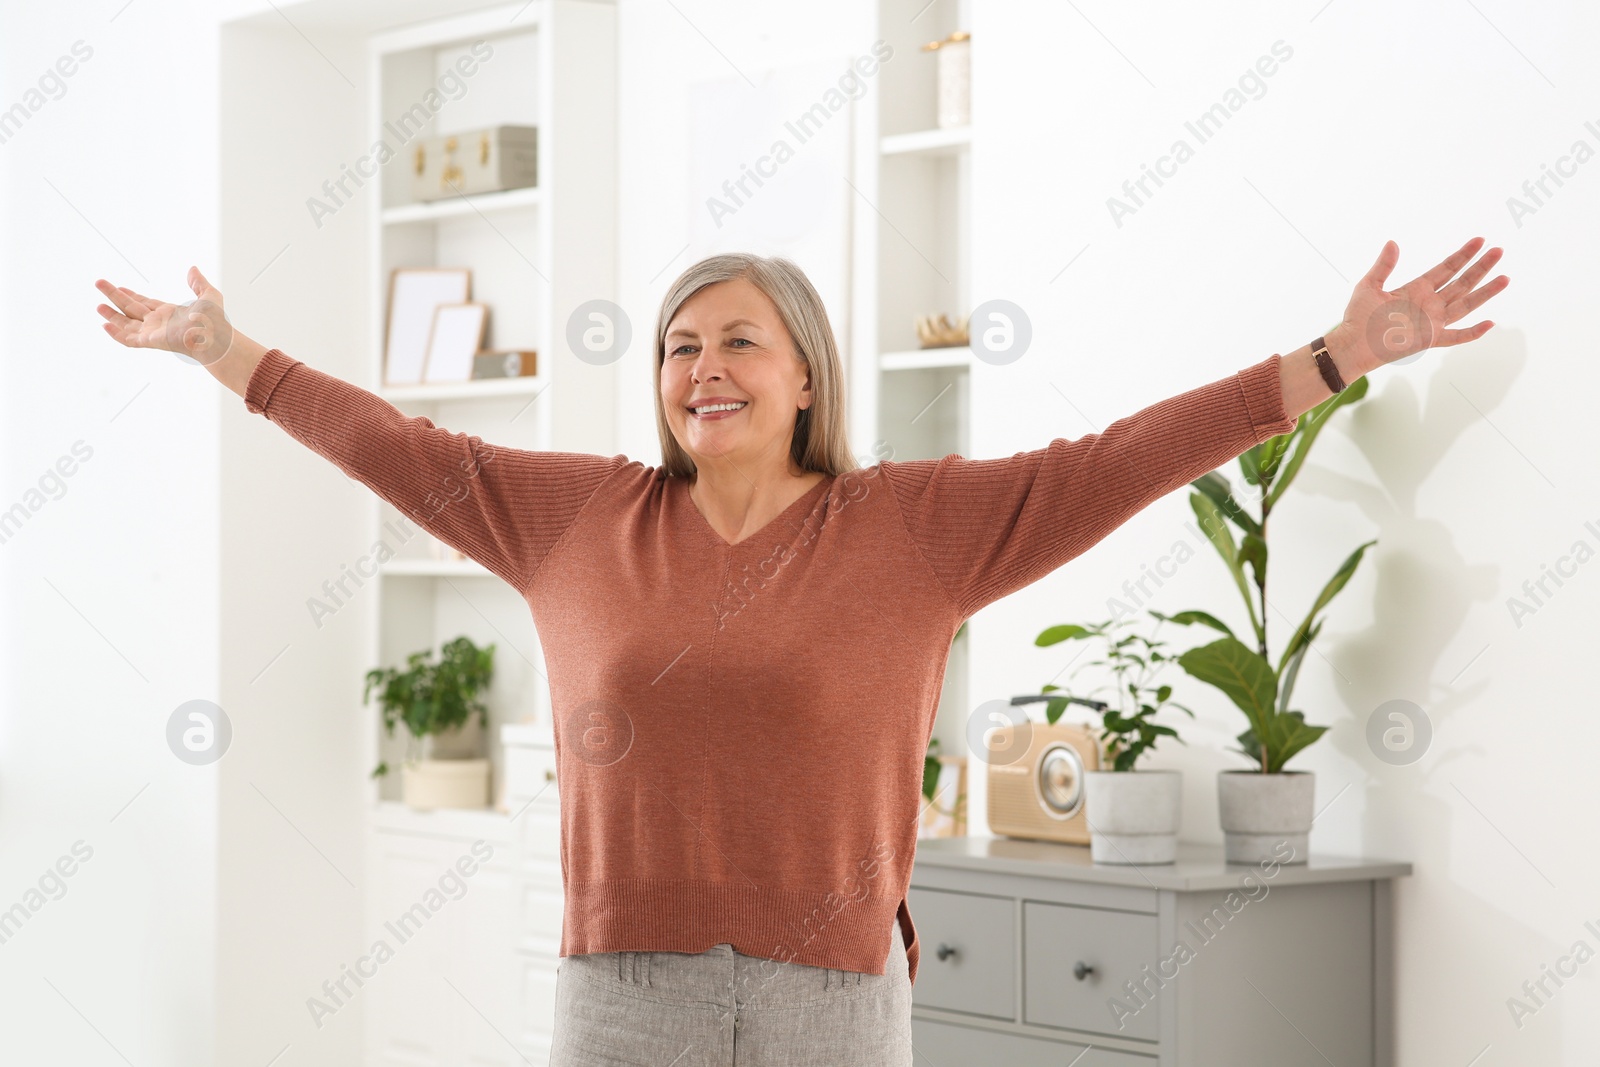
<point x="465" y="905"/>
<point x="534" y="813"/>
<point x="1034" y="954"/>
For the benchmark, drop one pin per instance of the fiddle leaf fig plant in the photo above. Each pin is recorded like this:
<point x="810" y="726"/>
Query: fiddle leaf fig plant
<point x="432" y="698"/>
<point x="1244" y="672"/>
<point x="1132" y="661"/>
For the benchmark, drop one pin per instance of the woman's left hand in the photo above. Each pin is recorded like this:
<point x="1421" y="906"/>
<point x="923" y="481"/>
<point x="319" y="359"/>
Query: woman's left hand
<point x="1382" y="327"/>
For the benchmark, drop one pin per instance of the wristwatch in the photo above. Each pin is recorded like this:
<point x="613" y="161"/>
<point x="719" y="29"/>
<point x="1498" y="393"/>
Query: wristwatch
<point x="1330" y="373"/>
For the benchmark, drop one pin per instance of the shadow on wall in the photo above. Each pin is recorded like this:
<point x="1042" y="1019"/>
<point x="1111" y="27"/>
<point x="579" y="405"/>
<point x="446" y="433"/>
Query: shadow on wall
<point x="1425" y="589"/>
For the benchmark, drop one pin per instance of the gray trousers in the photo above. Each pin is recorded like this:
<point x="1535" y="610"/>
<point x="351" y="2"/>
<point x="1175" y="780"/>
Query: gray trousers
<point x="721" y="1008"/>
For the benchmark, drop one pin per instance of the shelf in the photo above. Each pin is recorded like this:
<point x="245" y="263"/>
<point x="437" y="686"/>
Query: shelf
<point x="940" y="142"/>
<point x="525" y="385"/>
<point x="526" y="734"/>
<point x="451" y="207"/>
<point x="434" y="568"/>
<point x="464" y="823"/>
<point x="920" y="358"/>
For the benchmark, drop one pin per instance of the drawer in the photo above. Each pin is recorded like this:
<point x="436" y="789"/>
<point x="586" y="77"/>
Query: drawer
<point x="530" y="772"/>
<point x="941" y="1044"/>
<point x="538" y="1007"/>
<point x="1117" y="945"/>
<point x="542" y="905"/>
<point x="978" y="935"/>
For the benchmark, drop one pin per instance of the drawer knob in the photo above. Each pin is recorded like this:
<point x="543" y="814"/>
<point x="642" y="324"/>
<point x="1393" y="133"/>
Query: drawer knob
<point x="944" y="951"/>
<point x="1081" y="970"/>
<point x="549" y="775"/>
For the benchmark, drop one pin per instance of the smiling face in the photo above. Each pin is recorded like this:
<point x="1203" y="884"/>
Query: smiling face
<point x="727" y="345"/>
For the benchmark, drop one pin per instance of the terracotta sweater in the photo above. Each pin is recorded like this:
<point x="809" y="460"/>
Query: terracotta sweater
<point x="740" y="729"/>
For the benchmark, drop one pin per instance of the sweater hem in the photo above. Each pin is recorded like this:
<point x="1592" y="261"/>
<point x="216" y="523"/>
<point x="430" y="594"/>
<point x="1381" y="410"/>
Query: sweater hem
<point x="816" y="928"/>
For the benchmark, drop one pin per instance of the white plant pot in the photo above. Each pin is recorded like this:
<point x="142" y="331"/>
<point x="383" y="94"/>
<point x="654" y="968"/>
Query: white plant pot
<point x="1260" y="811"/>
<point x="445" y="783"/>
<point x="1133" y="815"/>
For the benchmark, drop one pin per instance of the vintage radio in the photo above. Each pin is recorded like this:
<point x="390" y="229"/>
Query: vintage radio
<point x="478" y="161"/>
<point x="1036" y="780"/>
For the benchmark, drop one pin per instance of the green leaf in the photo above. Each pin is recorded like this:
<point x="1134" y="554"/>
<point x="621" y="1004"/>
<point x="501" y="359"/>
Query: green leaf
<point x="1253" y="550"/>
<point x="1288" y="674"/>
<point x="1217" y="533"/>
<point x="1241" y="674"/>
<point x="1249" y="747"/>
<point x="1289" y="735"/>
<point x="1250" y="464"/>
<point x="1305" y="435"/>
<point x="1056" y="634"/>
<point x="1329" y="591"/>
<point x="1184" y="618"/>
<point x="1269" y="454"/>
<point x="1216" y="489"/>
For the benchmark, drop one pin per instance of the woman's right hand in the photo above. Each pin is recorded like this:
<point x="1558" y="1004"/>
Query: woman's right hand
<point x="198" y="332"/>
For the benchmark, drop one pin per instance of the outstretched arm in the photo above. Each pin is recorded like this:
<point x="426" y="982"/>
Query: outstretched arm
<point x="986" y="528"/>
<point x="504" y="507"/>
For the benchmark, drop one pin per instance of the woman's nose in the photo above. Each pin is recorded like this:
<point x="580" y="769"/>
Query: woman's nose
<point x="706" y="367"/>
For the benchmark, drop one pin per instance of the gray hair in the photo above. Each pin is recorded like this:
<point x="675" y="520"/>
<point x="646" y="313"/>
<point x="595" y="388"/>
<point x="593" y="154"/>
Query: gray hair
<point x="819" y="441"/>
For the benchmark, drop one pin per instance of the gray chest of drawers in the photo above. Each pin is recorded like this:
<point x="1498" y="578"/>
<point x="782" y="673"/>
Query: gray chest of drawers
<point x="1033" y="955"/>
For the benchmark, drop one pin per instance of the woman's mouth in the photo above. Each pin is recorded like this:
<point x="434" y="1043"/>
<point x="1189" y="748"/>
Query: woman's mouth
<point x="712" y="412"/>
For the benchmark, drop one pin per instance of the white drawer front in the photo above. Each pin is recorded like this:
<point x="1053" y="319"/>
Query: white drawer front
<point x="1112" y="947"/>
<point x="976" y="936"/>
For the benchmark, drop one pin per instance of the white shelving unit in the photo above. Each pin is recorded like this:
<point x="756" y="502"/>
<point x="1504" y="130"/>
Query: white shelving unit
<point x="477" y="204"/>
<point x="535" y="254"/>
<point x="912" y="256"/>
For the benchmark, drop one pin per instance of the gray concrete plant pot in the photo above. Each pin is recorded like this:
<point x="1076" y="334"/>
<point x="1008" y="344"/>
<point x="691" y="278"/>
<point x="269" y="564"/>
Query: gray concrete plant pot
<point x="1133" y="816"/>
<point x="1260" y="810"/>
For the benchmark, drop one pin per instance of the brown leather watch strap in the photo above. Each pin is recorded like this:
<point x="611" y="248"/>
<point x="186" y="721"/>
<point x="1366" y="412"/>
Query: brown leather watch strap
<point x="1330" y="373"/>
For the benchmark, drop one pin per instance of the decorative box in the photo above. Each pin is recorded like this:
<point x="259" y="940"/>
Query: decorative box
<point x="505" y="363"/>
<point x="477" y="161"/>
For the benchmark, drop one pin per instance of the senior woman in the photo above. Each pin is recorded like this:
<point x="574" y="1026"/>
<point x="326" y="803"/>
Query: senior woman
<point x="746" y="643"/>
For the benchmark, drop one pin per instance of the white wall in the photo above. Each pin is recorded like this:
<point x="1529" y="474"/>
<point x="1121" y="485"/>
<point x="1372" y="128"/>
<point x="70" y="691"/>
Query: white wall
<point x="111" y="587"/>
<point x="291" y="797"/>
<point x="1469" y="466"/>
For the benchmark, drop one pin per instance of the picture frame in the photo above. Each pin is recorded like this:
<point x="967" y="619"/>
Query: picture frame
<point x="454" y="339"/>
<point x="414" y="294"/>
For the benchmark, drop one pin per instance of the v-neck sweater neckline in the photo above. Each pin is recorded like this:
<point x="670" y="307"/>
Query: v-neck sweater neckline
<point x="784" y="520"/>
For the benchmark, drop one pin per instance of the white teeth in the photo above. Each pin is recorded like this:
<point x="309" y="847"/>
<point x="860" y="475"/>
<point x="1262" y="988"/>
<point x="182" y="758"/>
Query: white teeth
<point x="718" y="407"/>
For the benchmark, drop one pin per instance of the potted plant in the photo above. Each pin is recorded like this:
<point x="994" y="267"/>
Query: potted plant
<point x="1133" y="815"/>
<point x="1268" y="804"/>
<point x="438" y="703"/>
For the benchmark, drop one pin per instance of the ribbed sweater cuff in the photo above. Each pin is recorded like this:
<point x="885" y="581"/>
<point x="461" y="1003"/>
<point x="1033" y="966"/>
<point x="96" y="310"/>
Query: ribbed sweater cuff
<point x="265" y="378"/>
<point x="1263" y="398"/>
